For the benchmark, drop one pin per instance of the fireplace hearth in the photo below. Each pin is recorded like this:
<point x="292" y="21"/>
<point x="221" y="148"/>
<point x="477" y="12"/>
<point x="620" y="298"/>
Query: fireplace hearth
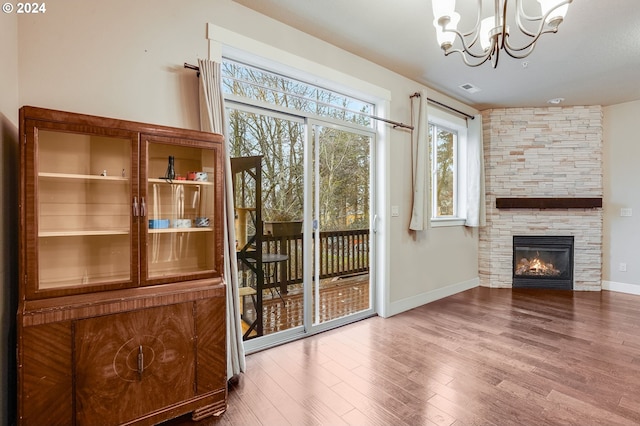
<point x="543" y="261"/>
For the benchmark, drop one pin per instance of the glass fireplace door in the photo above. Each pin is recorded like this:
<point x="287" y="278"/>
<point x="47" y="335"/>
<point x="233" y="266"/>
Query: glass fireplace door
<point x="543" y="261"/>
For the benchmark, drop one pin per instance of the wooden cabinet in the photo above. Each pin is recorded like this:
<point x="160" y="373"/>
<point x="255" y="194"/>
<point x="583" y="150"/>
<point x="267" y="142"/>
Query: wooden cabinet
<point x="121" y="315"/>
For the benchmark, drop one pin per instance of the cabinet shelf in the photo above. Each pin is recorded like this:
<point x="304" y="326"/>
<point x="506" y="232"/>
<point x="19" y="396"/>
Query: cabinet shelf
<point x="179" y="182"/>
<point x="72" y="176"/>
<point x="81" y="233"/>
<point x="79" y="281"/>
<point x="179" y="230"/>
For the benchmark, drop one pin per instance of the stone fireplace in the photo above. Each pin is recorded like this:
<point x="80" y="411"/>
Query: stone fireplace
<point x="534" y="154"/>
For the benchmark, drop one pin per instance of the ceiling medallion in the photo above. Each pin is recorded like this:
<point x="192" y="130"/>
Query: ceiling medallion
<point x="490" y="35"/>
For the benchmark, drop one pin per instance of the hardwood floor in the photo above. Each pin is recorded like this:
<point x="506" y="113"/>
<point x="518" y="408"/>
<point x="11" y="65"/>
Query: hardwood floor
<point x="481" y="357"/>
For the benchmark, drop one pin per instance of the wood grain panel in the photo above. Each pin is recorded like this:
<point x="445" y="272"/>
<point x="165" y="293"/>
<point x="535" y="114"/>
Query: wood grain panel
<point x="211" y="345"/>
<point x="45" y="373"/>
<point x="104" y="303"/>
<point x="110" y="388"/>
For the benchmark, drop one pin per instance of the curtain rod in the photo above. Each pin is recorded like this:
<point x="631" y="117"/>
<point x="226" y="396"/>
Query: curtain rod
<point x="433" y="101"/>
<point x="394" y="123"/>
<point x="193" y="67"/>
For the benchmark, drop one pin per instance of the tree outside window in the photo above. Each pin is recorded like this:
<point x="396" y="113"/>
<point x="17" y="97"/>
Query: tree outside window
<point x="442" y="150"/>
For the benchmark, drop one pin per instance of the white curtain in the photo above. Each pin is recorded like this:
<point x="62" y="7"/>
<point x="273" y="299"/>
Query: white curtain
<point x="212" y="119"/>
<point x="421" y="164"/>
<point x="476" y="208"/>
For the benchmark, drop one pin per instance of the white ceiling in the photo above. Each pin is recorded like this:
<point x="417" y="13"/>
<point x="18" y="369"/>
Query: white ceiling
<point x="594" y="59"/>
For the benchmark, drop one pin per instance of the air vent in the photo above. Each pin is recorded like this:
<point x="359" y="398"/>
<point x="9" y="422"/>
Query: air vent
<point x="469" y="88"/>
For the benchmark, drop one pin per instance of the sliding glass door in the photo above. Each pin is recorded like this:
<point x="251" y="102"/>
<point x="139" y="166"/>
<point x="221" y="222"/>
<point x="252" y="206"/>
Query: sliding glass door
<point x="341" y="180"/>
<point x="303" y="196"/>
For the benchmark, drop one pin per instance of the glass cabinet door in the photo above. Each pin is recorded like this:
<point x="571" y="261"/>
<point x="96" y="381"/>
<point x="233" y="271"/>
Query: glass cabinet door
<point x="83" y="221"/>
<point x="179" y="207"/>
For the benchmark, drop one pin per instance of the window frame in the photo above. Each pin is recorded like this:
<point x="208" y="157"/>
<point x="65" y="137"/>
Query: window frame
<point x="443" y="120"/>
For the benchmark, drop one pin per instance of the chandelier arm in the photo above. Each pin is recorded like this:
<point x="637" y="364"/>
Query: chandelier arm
<point x="542" y="19"/>
<point x="464" y="57"/>
<point x="493" y="53"/>
<point x="465" y="47"/>
<point x="525" y="31"/>
<point x="521" y="25"/>
<point x="530" y="45"/>
<point x="541" y="27"/>
<point x="476" y="28"/>
<point x="504" y="34"/>
<point x="464" y="36"/>
<point x="522" y="13"/>
<point x="523" y="55"/>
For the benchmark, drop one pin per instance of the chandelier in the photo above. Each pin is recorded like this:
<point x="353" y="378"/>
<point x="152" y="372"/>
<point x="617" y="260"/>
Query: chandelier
<point x="491" y="35"/>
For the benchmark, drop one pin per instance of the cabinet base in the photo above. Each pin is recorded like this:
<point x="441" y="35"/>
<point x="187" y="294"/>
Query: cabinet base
<point x="213" y="410"/>
<point x="216" y="405"/>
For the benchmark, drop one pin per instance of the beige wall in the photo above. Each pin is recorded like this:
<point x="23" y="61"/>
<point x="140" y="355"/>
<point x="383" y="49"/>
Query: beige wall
<point x="9" y="213"/>
<point x="621" y="234"/>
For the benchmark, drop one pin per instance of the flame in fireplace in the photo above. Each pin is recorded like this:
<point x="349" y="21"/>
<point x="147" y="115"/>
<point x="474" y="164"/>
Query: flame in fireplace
<point x="536" y="267"/>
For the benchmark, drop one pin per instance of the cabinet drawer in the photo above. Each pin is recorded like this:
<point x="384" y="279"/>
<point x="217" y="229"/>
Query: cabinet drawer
<point x="133" y="363"/>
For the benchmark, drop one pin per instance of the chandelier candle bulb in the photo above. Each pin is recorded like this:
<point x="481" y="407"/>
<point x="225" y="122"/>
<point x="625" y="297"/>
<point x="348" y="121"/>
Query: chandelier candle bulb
<point x="486" y="26"/>
<point x="554" y="10"/>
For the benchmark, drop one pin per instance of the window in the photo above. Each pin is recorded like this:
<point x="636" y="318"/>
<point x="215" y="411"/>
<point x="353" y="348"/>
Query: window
<point x="443" y="146"/>
<point x="447" y="138"/>
<point x="259" y="87"/>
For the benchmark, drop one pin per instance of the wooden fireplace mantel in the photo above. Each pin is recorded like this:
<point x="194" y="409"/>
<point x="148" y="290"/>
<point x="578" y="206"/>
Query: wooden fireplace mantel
<point x="548" y="203"/>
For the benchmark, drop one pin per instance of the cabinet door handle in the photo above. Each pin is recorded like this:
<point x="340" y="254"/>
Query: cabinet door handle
<point x="135" y="206"/>
<point x="140" y="360"/>
<point x="143" y="207"/>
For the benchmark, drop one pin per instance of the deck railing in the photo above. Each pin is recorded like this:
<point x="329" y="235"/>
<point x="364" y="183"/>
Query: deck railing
<point x="341" y="253"/>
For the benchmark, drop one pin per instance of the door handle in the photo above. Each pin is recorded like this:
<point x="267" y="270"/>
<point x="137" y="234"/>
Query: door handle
<point x="135" y="207"/>
<point x="140" y="361"/>
<point x="143" y="207"/>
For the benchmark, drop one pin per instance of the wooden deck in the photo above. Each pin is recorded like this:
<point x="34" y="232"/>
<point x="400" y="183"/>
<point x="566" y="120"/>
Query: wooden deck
<point x="338" y="298"/>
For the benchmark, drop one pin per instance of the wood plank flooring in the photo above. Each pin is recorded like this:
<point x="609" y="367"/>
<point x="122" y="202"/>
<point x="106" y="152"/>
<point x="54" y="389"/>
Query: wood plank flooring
<point x="481" y="357"/>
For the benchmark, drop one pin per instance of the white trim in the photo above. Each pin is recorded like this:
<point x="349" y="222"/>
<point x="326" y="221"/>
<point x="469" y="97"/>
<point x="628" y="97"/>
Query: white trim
<point x="243" y="48"/>
<point x="443" y="222"/>
<point x="431" y="296"/>
<point x="621" y="287"/>
<point x="265" y="106"/>
<point x="382" y="216"/>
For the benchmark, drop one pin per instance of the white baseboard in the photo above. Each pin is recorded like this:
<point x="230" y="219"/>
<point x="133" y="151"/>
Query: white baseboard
<point x="430" y="296"/>
<point x="621" y="287"/>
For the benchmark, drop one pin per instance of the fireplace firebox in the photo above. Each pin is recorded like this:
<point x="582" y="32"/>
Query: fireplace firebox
<point x="543" y="262"/>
